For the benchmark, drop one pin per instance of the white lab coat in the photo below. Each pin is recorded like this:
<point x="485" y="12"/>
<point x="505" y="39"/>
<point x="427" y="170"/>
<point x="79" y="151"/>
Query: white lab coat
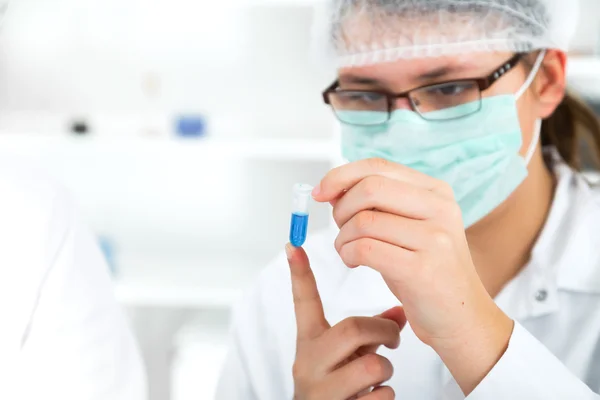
<point x="554" y="352"/>
<point x="62" y="334"/>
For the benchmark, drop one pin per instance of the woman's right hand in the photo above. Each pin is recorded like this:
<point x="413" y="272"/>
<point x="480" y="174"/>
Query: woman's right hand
<point x="339" y="362"/>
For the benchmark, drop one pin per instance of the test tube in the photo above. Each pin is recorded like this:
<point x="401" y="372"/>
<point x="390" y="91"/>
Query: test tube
<point x="299" y="225"/>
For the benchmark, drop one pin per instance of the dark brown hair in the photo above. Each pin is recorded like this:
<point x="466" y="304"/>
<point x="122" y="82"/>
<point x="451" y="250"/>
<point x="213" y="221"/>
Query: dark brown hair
<point x="573" y="128"/>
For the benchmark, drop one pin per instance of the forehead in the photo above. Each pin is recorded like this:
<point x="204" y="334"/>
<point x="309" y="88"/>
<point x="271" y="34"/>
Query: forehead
<point x="468" y="65"/>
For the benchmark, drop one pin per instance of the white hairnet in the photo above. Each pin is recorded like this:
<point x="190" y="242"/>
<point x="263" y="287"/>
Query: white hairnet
<point x="357" y="32"/>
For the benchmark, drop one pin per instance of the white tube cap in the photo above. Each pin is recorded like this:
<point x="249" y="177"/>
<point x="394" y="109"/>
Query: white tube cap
<point x="302" y="194"/>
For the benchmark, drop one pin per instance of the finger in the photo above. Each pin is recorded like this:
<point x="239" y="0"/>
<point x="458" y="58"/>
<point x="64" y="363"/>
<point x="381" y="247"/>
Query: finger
<point x="391" y="196"/>
<point x="380" y="393"/>
<point x="345" y="177"/>
<point x="407" y="233"/>
<point x="343" y="340"/>
<point x="396" y="315"/>
<point x="310" y="318"/>
<point x="390" y="261"/>
<point x="357" y="376"/>
<point x="335" y="201"/>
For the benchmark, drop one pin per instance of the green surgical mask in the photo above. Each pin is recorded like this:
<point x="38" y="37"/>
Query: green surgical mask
<point x="477" y="155"/>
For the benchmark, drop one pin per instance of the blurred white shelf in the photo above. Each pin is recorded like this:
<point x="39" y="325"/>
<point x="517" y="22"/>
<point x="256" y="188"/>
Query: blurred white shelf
<point x="247" y="148"/>
<point x="200" y="283"/>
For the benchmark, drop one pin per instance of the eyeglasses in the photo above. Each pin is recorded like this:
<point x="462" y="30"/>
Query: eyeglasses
<point x="439" y="102"/>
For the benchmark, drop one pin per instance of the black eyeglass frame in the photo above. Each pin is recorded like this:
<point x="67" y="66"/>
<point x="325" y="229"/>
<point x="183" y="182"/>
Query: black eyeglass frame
<point x="482" y="83"/>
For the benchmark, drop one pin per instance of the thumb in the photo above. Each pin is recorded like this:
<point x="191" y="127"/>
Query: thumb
<point x="310" y="318"/>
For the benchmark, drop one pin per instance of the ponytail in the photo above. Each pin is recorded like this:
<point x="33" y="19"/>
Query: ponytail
<point x="573" y="125"/>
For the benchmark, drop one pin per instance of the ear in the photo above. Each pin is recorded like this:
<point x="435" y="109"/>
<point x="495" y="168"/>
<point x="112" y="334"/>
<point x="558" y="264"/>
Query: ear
<point x="551" y="82"/>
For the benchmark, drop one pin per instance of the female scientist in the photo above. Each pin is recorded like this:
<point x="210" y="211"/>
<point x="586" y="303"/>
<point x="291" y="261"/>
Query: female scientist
<point x="461" y="201"/>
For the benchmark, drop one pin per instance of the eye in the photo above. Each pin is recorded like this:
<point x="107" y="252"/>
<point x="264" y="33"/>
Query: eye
<point x="450" y="89"/>
<point x="362" y="97"/>
<point x="446" y="95"/>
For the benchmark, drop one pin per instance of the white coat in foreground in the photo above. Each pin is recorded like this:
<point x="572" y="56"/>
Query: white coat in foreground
<point x="62" y="334"/>
<point x="554" y="352"/>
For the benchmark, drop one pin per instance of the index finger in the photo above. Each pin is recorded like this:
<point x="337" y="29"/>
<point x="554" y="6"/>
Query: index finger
<point x="310" y="318"/>
<point x="342" y="179"/>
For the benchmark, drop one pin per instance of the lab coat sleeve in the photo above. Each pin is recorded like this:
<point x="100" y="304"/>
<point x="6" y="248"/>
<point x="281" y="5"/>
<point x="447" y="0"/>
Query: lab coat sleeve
<point x="254" y="368"/>
<point x="527" y="370"/>
<point x="78" y="345"/>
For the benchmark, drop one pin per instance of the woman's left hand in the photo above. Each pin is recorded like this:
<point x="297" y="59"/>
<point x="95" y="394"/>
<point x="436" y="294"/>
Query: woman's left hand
<point x="408" y="227"/>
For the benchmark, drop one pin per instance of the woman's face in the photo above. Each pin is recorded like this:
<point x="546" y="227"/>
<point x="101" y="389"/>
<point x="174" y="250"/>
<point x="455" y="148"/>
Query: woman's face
<point x="404" y="75"/>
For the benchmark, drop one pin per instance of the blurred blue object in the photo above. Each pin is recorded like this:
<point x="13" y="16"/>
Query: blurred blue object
<point x="191" y="126"/>
<point x="108" y="249"/>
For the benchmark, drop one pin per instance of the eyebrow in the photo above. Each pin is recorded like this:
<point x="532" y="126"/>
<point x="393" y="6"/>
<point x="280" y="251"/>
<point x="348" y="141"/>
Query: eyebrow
<point x="361" y="80"/>
<point x="438" y="73"/>
<point x="427" y="77"/>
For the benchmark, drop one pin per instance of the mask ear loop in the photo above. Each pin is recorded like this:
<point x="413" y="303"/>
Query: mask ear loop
<point x="534" y="141"/>
<point x="532" y="75"/>
<point x="538" y="123"/>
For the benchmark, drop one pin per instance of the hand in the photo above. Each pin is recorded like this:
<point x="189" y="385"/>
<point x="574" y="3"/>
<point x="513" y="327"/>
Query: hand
<point x="408" y="226"/>
<point x="338" y="363"/>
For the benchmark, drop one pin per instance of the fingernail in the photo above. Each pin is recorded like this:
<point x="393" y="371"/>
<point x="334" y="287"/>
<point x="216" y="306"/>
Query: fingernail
<point x="316" y="190"/>
<point x="288" y="251"/>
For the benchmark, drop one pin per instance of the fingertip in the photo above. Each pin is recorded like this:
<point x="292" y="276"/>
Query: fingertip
<point x="316" y="191"/>
<point x="387" y="389"/>
<point x="351" y="266"/>
<point x="296" y="256"/>
<point x="397" y="315"/>
<point x="292" y="252"/>
<point x="321" y="198"/>
<point x="395" y="344"/>
<point x="321" y="194"/>
<point x="289" y="251"/>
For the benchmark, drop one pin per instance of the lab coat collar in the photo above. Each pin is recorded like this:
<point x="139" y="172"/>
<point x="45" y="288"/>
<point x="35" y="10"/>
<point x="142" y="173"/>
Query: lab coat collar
<point x="566" y="255"/>
<point x="568" y="249"/>
<point x="578" y="265"/>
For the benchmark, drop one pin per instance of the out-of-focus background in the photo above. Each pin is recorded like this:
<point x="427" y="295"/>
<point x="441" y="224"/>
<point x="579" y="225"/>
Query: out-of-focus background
<point x="179" y="127"/>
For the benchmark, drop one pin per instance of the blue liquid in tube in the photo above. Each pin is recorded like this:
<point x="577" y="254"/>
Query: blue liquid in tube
<point x="298" y="229"/>
<point x="300" y="204"/>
